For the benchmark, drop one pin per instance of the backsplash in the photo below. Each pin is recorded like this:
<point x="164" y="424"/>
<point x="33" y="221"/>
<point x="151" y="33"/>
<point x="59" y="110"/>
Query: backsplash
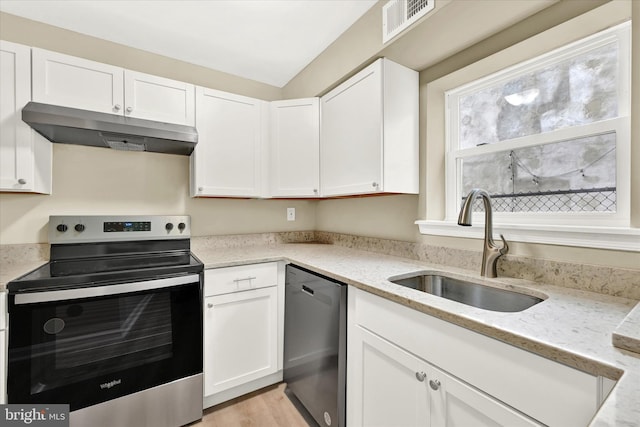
<point x="239" y="240"/>
<point x="24" y="253"/>
<point x="595" y="278"/>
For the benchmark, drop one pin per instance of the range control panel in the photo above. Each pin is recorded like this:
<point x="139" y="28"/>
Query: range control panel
<point x="94" y="228"/>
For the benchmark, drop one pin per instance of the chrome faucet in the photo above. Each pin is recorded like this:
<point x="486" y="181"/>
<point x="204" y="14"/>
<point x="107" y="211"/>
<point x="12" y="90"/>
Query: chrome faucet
<point x="491" y="252"/>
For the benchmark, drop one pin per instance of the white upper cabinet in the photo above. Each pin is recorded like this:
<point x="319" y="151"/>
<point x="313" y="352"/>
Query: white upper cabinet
<point x="369" y="133"/>
<point x="80" y="83"/>
<point x="295" y="148"/>
<point x="228" y="159"/>
<point x="157" y="98"/>
<point x="77" y="83"/>
<point x="25" y="156"/>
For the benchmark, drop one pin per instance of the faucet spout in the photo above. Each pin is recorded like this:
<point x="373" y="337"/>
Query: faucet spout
<point x="491" y="252"/>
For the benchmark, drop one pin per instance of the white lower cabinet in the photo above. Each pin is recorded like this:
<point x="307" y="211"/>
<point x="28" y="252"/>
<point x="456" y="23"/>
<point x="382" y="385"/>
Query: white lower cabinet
<point x="3" y="348"/>
<point x="382" y="386"/>
<point x="3" y="366"/>
<point x="243" y="330"/>
<point x="406" y="368"/>
<point x="393" y="387"/>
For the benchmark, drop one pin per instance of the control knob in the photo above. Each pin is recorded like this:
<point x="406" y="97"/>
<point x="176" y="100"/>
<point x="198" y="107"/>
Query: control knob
<point x="62" y="228"/>
<point x="182" y="226"/>
<point x="79" y="228"/>
<point x="168" y="226"/>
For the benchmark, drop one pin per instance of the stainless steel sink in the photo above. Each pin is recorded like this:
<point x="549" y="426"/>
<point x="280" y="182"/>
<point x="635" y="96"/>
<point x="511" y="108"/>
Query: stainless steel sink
<point x="469" y="293"/>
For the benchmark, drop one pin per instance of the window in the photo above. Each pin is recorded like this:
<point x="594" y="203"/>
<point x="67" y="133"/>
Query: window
<point x="548" y="138"/>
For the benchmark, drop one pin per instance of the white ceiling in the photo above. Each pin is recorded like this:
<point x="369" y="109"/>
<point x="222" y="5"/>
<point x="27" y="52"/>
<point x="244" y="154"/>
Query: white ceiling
<point x="265" y="40"/>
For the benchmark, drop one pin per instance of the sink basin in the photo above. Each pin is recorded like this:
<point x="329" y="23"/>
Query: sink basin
<point x="469" y="293"/>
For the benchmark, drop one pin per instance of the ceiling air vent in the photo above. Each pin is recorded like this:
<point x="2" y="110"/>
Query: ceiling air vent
<point x="400" y="14"/>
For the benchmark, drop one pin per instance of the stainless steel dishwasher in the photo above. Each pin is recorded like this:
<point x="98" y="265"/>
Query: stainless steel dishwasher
<point x="315" y="344"/>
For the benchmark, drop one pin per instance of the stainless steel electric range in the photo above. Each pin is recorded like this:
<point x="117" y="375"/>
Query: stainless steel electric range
<point x="112" y="325"/>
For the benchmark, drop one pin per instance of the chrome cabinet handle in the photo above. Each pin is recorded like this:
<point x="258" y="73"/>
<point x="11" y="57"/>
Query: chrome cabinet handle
<point x="420" y="376"/>
<point x="245" y="278"/>
<point x="434" y="384"/>
<point x="129" y="109"/>
<point x="374" y="184"/>
<point x="22" y="181"/>
<point x="210" y="305"/>
<point x="315" y="191"/>
<point x="117" y="107"/>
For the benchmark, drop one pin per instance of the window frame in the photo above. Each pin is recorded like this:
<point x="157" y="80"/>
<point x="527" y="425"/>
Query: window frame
<point x="433" y="205"/>
<point x="621" y="125"/>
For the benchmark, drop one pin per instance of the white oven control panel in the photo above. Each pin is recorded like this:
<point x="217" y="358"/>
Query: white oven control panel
<point x="100" y="228"/>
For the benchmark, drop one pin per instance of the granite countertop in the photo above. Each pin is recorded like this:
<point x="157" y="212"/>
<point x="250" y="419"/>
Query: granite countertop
<point x="572" y="327"/>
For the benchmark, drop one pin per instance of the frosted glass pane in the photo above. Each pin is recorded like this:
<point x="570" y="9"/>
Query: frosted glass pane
<point x="574" y="175"/>
<point x="572" y="92"/>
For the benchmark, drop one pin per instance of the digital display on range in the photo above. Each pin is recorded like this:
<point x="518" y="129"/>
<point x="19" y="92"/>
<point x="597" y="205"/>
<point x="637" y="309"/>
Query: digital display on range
<point x="110" y="227"/>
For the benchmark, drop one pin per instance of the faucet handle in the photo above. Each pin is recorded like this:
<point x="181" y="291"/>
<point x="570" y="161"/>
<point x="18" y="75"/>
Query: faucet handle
<point x="505" y="248"/>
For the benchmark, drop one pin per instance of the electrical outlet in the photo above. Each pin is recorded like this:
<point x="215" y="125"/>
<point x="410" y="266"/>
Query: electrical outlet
<point x="291" y="214"/>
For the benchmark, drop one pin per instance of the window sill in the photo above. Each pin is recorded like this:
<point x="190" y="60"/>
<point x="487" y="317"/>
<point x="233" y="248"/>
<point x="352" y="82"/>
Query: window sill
<point x="617" y="238"/>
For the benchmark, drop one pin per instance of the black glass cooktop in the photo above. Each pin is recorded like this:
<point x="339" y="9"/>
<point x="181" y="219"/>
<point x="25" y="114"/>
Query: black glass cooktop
<point x="85" y="265"/>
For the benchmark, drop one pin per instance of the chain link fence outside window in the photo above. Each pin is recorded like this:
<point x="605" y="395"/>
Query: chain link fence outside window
<point x="583" y="200"/>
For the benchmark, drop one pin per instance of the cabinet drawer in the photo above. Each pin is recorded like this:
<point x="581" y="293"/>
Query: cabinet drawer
<point x="219" y="281"/>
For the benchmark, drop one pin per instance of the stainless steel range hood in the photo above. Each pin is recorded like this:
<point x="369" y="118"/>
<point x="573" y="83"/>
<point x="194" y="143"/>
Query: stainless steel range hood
<point x="82" y="127"/>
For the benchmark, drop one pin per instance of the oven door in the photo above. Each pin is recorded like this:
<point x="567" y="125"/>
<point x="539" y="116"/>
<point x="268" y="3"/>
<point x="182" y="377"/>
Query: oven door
<point x="90" y="345"/>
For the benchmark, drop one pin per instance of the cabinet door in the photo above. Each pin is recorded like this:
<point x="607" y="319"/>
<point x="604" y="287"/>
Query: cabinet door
<point x="227" y="160"/>
<point x="457" y="404"/>
<point x="75" y="82"/>
<point x="386" y="386"/>
<point x="157" y="98"/>
<point x="3" y="366"/>
<point x="295" y="148"/>
<point x="351" y="148"/>
<point x="25" y="159"/>
<point x="240" y="338"/>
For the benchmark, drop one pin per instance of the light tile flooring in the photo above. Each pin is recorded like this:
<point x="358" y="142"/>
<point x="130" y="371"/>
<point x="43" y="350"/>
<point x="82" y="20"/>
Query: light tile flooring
<point x="268" y="407"/>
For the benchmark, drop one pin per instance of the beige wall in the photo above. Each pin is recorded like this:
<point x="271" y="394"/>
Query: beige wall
<point x="432" y="40"/>
<point x="92" y="180"/>
<point x="96" y="181"/>
<point x="394" y="219"/>
<point x="386" y="217"/>
<point x="88" y="180"/>
<point x="31" y="33"/>
<point x="433" y="102"/>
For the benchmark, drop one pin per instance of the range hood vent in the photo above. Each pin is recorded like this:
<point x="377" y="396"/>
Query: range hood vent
<point x="73" y="126"/>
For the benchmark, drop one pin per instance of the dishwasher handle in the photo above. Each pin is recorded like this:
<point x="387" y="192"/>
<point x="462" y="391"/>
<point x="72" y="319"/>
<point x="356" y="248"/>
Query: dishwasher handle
<point x="307" y="290"/>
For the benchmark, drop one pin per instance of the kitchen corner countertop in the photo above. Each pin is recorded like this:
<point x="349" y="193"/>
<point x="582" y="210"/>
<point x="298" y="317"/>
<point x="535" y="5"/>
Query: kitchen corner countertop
<point x="571" y="327"/>
<point x="576" y="328"/>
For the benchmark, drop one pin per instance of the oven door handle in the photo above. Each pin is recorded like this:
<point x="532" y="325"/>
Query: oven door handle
<point x="99" y="291"/>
